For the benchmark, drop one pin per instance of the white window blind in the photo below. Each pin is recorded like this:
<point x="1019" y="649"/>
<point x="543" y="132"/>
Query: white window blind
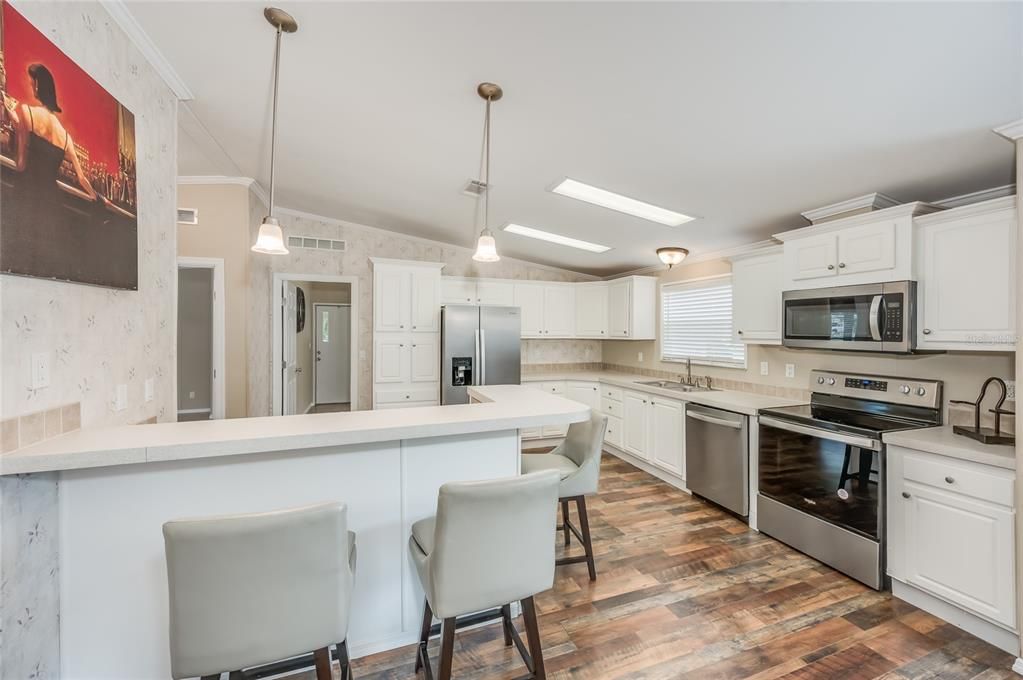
<point x="696" y="323"/>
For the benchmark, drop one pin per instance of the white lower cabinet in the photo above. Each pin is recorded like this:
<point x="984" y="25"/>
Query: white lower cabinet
<point x="667" y="436"/>
<point x="613" y="435"/>
<point x="585" y="393"/>
<point x="951" y="532"/>
<point x="636" y="424"/>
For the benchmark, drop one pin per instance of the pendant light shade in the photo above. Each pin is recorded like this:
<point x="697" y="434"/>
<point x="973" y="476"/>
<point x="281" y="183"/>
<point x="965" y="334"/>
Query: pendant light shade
<point x="672" y="256"/>
<point x="270" y="240"/>
<point x="486" y="244"/>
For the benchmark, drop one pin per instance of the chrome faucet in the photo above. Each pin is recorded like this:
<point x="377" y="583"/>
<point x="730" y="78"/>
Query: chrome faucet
<point x="689" y="371"/>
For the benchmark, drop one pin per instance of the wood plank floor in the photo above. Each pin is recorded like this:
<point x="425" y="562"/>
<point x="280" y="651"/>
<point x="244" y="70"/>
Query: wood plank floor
<point x="686" y="591"/>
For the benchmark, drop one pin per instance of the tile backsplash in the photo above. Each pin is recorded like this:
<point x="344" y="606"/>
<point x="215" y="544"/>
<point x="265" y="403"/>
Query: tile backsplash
<point x="32" y="428"/>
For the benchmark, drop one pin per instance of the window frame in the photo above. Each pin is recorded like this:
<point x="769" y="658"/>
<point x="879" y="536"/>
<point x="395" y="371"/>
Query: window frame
<point x="699" y="361"/>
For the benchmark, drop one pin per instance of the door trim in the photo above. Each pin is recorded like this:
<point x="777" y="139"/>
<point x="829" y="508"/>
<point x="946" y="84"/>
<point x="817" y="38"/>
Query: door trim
<point x="218" y="383"/>
<point x="277" y="345"/>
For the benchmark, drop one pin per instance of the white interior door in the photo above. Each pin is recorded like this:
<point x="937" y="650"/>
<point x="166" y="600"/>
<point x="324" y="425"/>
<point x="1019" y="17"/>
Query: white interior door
<point x="333" y="342"/>
<point x="289" y="335"/>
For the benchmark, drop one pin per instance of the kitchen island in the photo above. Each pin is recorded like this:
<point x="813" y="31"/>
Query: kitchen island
<point x="84" y="579"/>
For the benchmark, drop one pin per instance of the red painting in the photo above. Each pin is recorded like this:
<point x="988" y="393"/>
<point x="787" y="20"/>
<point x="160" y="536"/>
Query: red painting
<point x="68" y="209"/>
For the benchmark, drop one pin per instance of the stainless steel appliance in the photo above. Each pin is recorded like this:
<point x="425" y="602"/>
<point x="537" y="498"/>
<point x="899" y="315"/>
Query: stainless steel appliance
<point x="821" y="466"/>
<point x="478" y="346"/>
<point x="717" y="456"/>
<point x="876" y="317"/>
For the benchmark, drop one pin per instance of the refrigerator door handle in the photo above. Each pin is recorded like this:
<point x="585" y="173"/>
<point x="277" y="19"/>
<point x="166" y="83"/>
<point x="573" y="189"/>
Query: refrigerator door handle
<point x="476" y="357"/>
<point x="483" y="357"/>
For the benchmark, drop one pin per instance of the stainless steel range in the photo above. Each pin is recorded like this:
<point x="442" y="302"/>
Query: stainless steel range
<point x="821" y="466"/>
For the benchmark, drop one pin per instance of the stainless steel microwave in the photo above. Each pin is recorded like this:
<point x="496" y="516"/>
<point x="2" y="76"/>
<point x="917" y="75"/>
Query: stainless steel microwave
<point x="875" y="317"/>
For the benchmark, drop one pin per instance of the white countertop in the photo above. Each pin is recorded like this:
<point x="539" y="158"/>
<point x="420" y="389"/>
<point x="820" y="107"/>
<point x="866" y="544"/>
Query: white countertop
<point x="747" y="403"/>
<point x="943" y="441"/>
<point x="503" y="407"/>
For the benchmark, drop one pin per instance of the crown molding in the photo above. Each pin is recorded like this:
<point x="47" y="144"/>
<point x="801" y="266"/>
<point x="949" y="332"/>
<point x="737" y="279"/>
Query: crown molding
<point x="247" y="182"/>
<point x="1012" y="131"/>
<point x="122" y="16"/>
<point x="976" y="197"/>
<point x="747" y="249"/>
<point x="970" y="210"/>
<point x="874" y="201"/>
<point x="914" y="209"/>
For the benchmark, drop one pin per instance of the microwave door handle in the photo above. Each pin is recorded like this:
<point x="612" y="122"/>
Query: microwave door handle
<point x="853" y="440"/>
<point x="876" y="305"/>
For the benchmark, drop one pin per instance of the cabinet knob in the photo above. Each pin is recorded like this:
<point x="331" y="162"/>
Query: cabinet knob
<point x="841" y="265"/>
<point x="401" y="325"/>
<point x="927" y="331"/>
<point x="413" y="344"/>
<point x="407" y="396"/>
<point x="950" y="480"/>
<point x="830" y="267"/>
<point x="739" y="332"/>
<point x="905" y="494"/>
<point x="401" y="345"/>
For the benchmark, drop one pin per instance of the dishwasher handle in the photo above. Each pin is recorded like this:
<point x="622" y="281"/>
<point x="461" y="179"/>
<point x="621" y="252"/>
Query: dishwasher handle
<point x="713" y="421"/>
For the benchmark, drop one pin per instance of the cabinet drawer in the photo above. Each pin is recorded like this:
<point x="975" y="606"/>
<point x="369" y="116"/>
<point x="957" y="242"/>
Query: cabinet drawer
<point x="977" y="481"/>
<point x="613" y="436"/>
<point x="614" y="393"/>
<point x="420" y="397"/>
<point x="611" y="408"/>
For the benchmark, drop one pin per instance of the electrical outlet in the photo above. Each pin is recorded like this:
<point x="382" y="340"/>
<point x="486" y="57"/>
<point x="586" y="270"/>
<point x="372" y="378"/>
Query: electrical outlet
<point x="121" y="399"/>
<point x="790" y="370"/>
<point x="191" y="395"/>
<point x="40" y="370"/>
<point x="765" y="368"/>
<point x="639" y="357"/>
<point x="149" y="389"/>
<point x="1010" y="390"/>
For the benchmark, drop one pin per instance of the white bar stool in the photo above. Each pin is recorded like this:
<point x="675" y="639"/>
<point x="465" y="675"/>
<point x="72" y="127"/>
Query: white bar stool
<point x="490" y="544"/>
<point x="248" y="590"/>
<point x="577" y="460"/>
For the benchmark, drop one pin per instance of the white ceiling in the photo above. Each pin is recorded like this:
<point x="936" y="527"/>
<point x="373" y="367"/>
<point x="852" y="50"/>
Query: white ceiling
<point x="742" y="114"/>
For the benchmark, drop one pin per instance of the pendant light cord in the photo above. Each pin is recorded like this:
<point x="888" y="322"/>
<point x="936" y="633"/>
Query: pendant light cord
<point x="486" y="176"/>
<point x="273" y="124"/>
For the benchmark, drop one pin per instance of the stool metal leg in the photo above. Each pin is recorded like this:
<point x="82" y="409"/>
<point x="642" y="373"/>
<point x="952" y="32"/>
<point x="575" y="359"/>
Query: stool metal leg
<point x="447" y="648"/>
<point x="322" y="660"/>
<point x="533" y="638"/>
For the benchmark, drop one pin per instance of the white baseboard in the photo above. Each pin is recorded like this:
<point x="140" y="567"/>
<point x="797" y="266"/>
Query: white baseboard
<point x="649" y="468"/>
<point x="192" y="411"/>
<point x="1018" y="666"/>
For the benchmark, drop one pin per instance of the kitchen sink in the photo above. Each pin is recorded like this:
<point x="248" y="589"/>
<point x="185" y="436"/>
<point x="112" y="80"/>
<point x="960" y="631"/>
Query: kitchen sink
<point x="672" y="385"/>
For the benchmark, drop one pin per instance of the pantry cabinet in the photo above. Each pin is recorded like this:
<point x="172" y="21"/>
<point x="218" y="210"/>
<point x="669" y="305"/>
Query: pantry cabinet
<point x="966" y="295"/>
<point x="756" y="297"/>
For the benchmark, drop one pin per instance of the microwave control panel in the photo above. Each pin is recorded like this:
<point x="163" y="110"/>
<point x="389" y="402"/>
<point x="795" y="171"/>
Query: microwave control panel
<point x="893" y="317"/>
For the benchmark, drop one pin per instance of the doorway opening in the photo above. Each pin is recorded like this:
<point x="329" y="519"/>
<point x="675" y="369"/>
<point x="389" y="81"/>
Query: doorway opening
<point x="200" y="348"/>
<point x="315" y="344"/>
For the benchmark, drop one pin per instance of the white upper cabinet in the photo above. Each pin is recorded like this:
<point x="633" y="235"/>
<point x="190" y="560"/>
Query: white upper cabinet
<point x="529" y="298"/>
<point x="632" y="308"/>
<point x="495" y="292"/>
<point x="425" y="300"/>
<point x="591" y="308"/>
<point x="457" y="291"/>
<point x="868" y="248"/>
<point x="966" y="294"/>
<point x="559" y="311"/>
<point x="618" y="316"/>
<point x="756" y="297"/>
<point x="392" y="291"/>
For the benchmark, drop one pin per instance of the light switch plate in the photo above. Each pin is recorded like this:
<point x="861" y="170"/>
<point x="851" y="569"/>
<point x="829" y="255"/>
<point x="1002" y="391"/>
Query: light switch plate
<point x="40" y="370"/>
<point x="790" y="370"/>
<point x="121" y="398"/>
<point x="765" y="368"/>
<point x="149" y="389"/>
<point x="639" y="357"/>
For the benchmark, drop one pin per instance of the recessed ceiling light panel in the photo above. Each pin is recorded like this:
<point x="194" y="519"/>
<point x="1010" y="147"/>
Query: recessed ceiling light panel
<point x="555" y="238"/>
<point x="629" y="206"/>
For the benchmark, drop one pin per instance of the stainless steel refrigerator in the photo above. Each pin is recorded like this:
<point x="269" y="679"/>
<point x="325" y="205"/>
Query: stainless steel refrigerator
<point x="478" y="346"/>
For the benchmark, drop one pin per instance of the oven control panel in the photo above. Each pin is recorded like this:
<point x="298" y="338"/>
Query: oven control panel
<point x="890" y="389"/>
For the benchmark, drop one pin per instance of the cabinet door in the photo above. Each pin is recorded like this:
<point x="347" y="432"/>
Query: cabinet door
<point x="961" y="550"/>
<point x="391" y="299"/>
<point x="559" y="389"/>
<point x="495" y="293"/>
<point x="455" y="291"/>
<point x="529" y="298"/>
<point x="559" y="311"/>
<point x="426" y="301"/>
<point x="967" y="287"/>
<point x="868" y="248"/>
<point x="425" y="359"/>
<point x="635" y="424"/>
<point x="613" y="434"/>
<point x="391" y="359"/>
<point x="812" y="257"/>
<point x="619" y="319"/>
<point x="756" y="299"/>
<point x="667" y="439"/>
<point x="591" y="310"/>
<point x="584" y="393"/>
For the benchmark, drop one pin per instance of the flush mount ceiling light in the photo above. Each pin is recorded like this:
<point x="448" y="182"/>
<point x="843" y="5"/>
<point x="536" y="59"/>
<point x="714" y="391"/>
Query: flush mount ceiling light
<point x="555" y="238"/>
<point x="629" y="206"/>
<point x="672" y="255"/>
<point x="486" y="246"/>
<point x="271" y="239"/>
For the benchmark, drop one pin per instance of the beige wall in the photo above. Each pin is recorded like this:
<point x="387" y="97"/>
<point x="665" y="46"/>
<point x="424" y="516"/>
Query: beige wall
<point x="223" y="232"/>
<point x="963" y="372"/>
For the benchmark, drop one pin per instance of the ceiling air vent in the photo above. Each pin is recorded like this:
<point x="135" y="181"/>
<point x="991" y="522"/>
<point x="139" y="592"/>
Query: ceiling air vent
<point x="188" y="216"/>
<point x="474" y="188"/>
<point x="317" y="243"/>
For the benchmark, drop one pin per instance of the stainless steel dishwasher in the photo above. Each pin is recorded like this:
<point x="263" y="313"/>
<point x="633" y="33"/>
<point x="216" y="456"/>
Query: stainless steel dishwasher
<point x="717" y="456"/>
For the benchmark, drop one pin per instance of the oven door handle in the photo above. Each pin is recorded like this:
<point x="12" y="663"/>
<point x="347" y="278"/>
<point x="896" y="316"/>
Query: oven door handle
<point x="876" y="304"/>
<point x="851" y="439"/>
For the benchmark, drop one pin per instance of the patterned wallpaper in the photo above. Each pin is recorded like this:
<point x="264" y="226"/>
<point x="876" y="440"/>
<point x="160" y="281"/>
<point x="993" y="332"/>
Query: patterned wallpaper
<point x="363" y="243"/>
<point x="98" y="338"/>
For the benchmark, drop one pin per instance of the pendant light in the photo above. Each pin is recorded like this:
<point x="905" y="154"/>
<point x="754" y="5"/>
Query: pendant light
<point x="271" y="239"/>
<point x="672" y="255"/>
<point x="486" y="246"/>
